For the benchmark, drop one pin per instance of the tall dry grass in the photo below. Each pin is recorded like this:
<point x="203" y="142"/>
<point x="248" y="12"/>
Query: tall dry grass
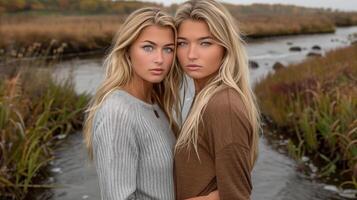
<point x="34" y="110"/>
<point x="79" y="33"/>
<point x="315" y="104"/>
<point x="255" y="26"/>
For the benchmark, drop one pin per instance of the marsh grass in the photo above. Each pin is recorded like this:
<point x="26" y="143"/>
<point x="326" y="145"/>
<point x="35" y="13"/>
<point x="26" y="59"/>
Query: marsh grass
<point x="316" y="101"/>
<point x="83" y="33"/>
<point x="34" y="109"/>
<point x="258" y="25"/>
<point x="28" y="36"/>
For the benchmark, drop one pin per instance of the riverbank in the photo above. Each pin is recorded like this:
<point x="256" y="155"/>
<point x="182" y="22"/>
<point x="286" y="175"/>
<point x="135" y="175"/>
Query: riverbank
<point x="36" y="112"/>
<point x="314" y="104"/>
<point x="50" y="35"/>
<point x="39" y="32"/>
<point x="29" y="36"/>
<point x="76" y="176"/>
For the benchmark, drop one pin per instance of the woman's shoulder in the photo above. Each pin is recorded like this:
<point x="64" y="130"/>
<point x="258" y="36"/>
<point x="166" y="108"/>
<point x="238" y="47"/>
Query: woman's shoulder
<point x="114" y="118"/>
<point x="115" y="104"/>
<point x="117" y="101"/>
<point x="225" y="100"/>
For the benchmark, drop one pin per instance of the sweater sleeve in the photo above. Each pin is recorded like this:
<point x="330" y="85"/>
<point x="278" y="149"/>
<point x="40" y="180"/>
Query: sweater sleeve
<point x="230" y="141"/>
<point x="115" y="154"/>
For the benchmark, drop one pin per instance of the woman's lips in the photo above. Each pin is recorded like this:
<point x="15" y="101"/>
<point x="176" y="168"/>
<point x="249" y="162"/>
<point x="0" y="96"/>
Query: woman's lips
<point x="157" y="71"/>
<point x="193" y="67"/>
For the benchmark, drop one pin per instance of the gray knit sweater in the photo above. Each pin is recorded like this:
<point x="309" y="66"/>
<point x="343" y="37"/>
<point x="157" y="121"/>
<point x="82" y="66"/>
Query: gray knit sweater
<point x="133" y="149"/>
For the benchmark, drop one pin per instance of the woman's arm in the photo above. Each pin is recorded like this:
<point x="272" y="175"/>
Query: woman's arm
<point x="230" y="133"/>
<point x="115" y="155"/>
<point x="233" y="171"/>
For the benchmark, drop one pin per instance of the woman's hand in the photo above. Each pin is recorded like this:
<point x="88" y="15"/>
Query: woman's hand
<point x="211" y="196"/>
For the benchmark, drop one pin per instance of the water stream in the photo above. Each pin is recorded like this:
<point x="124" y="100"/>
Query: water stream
<point x="274" y="177"/>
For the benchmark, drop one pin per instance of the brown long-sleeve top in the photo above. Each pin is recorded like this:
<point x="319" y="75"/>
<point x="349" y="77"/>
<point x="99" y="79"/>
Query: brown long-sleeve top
<point x="224" y="147"/>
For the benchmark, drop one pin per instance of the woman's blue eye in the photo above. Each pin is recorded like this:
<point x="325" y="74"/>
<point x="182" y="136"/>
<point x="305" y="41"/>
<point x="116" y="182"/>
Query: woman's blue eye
<point x="181" y="44"/>
<point x="148" y="48"/>
<point x="206" y="43"/>
<point x="168" y="50"/>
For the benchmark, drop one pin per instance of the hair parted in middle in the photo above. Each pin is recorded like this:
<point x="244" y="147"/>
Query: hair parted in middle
<point x="233" y="72"/>
<point x="119" y="71"/>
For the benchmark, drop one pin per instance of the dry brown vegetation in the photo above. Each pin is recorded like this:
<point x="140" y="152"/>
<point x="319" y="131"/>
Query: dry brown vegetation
<point x="259" y="25"/>
<point x="85" y="33"/>
<point x="314" y="104"/>
<point x="79" y="33"/>
<point x="74" y="34"/>
<point x="35" y="109"/>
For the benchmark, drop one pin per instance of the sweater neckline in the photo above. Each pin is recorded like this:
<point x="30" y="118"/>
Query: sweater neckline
<point x="135" y="99"/>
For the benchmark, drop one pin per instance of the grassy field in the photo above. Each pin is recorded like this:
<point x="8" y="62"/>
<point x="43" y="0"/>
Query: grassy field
<point x="315" y="104"/>
<point x="35" y="110"/>
<point x="30" y="36"/>
<point x="31" y="33"/>
<point x="73" y="34"/>
<point x="256" y="26"/>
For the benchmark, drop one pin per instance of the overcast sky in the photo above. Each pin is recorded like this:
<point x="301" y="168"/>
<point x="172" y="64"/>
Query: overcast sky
<point x="346" y="5"/>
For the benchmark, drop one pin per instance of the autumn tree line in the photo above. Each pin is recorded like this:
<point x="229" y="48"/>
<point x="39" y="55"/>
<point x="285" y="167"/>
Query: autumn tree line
<point x="127" y="6"/>
<point x="86" y="6"/>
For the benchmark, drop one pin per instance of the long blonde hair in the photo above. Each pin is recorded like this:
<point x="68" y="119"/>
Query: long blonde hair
<point x="233" y="72"/>
<point x="119" y="71"/>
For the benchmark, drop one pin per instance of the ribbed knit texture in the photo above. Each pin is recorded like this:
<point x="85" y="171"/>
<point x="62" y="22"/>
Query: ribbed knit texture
<point x="133" y="149"/>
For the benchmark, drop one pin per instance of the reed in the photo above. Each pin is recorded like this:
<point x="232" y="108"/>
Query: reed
<point x="259" y="25"/>
<point x="316" y="101"/>
<point x="34" y="109"/>
<point x="22" y="35"/>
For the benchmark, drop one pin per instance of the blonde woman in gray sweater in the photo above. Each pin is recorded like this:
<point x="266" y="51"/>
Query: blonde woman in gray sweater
<point x="129" y="130"/>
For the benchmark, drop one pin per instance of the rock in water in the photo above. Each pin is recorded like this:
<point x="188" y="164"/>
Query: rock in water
<point x="316" y="47"/>
<point x="253" y="64"/>
<point x="295" y="48"/>
<point x="278" y="66"/>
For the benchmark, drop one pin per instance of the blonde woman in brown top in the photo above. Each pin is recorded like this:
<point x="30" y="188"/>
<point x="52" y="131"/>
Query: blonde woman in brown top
<point x="218" y="143"/>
